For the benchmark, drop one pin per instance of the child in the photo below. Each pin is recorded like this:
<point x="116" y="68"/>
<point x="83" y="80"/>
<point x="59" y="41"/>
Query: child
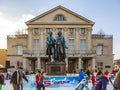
<point x="1" y="79"/>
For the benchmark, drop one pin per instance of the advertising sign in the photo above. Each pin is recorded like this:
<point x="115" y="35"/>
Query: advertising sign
<point x="53" y="81"/>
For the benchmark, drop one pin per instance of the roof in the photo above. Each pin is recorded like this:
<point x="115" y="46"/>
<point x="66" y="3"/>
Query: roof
<point x="63" y="8"/>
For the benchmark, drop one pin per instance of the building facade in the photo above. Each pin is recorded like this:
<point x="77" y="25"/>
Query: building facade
<point x="3" y="56"/>
<point x="85" y="50"/>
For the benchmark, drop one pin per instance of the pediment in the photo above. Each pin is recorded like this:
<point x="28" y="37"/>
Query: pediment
<point x="49" y="17"/>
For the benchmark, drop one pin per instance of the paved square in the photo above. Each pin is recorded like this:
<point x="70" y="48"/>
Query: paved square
<point x="9" y="87"/>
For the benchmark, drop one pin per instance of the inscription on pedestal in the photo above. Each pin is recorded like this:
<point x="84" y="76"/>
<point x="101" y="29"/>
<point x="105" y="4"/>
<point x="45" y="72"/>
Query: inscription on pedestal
<point x="55" y="68"/>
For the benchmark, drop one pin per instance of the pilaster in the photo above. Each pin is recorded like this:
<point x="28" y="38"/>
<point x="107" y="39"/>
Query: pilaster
<point x="93" y="64"/>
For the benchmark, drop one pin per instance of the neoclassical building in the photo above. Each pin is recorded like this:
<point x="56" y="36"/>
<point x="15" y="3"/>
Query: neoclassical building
<point x="85" y="50"/>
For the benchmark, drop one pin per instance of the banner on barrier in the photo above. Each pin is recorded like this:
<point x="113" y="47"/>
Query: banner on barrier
<point x="53" y="81"/>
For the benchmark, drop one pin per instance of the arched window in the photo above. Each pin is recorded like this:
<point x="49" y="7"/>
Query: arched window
<point x="59" y="17"/>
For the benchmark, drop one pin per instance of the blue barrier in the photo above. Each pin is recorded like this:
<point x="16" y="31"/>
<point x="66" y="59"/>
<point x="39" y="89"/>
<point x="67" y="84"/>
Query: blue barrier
<point x="53" y="81"/>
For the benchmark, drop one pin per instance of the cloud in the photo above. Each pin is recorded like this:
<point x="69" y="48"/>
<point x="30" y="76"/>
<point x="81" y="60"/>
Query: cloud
<point x="27" y="17"/>
<point x="1" y="13"/>
<point x="8" y="27"/>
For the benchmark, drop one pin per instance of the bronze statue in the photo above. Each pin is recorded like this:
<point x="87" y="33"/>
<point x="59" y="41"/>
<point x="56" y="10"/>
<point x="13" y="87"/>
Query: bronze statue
<point x="60" y="47"/>
<point x="50" y="45"/>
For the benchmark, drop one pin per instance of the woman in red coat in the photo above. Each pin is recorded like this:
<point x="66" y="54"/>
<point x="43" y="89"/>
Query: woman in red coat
<point x="37" y="79"/>
<point x="93" y="78"/>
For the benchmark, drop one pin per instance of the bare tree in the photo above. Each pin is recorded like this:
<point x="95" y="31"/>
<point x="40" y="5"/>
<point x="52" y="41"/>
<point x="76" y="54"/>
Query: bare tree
<point x="20" y="32"/>
<point x="101" y="32"/>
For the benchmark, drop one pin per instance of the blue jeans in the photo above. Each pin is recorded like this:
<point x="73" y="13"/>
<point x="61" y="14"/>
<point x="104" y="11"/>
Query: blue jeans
<point x="41" y="85"/>
<point x="21" y="86"/>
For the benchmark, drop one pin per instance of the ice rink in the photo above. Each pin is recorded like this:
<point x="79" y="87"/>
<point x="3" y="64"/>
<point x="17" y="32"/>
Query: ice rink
<point x="8" y="86"/>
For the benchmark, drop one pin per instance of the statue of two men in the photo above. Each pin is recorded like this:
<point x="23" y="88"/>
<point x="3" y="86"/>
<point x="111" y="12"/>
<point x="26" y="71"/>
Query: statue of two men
<point x="56" y="47"/>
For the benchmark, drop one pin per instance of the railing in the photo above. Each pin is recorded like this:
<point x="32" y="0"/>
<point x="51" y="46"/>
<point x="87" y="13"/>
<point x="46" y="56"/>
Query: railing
<point x="80" y="51"/>
<point x="33" y="52"/>
<point x="101" y="36"/>
<point x="17" y="36"/>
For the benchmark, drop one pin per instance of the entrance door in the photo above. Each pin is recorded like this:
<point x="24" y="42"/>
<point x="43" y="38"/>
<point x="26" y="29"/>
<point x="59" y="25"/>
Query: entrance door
<point x="84" y="65"/>
<point x="71" y="64"/>
<point x="33" y="65"/>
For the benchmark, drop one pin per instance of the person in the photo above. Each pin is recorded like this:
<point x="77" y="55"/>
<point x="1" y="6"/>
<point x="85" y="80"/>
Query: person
<point x="81" y="75"/>
<point x="88" y="72"/>
<point x="50" y="45"/>
<point x="41" y="84"/>
<point x="102" y="81"/>
<point x="60" y="47"/>
<point x="116" y="68"/>
<point x="93" y="79"/>
<point x="22" y="73"/>
<point x="83" y="81"/>
<point x="9" y="73"/>
<point x="95" y="73"/>
<point x="16" y="78"/>
<point x="99" y="74"/>
<point x="1" y="79"/>
<point x="37" y="78"/>
<point x="116" y="84"/>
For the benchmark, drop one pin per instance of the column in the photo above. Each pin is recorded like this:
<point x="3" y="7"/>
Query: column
<point x="89" y="44"/>
<point x="79" y="63"/>
<point x="66" y="61"/>
<point x="38" y="63"/>
<point x="66" y="35"/>
<point x="24" y="63"/>
<point x="77" y="39"/>
<point x="41" y="39"/>
<point x="93" y="63"/>
<point x="30" y="38"/>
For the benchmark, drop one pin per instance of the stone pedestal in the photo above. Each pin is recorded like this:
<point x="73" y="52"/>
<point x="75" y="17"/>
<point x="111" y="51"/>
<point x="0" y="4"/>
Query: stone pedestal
<point x="55" y="68"/>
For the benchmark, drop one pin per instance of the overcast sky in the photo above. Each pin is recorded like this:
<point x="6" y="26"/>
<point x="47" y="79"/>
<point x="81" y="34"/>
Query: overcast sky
<point x="105" y="14"/>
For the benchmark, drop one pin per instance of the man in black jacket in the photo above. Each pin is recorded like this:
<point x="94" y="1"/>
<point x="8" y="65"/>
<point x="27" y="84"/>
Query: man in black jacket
<point x="16" y="78"/>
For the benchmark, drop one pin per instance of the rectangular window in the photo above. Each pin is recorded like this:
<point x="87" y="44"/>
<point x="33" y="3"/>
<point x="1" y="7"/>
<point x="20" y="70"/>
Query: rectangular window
<point x="36" y="45"/>
<point x="82" y="44"/>
<point x="59" y="18"/>
<point x="71" y="46"/>
<point x="19" y="49"/>
<point x="82" y="31"/>
<point x="100" y="65"/>
<point x="47" y="30"/>
<point x="100" y="49"/>
<point x="36" y="30"/>
<point x="107" y="66"/>
<point x="7" y="64"/>
<point x="71" y="30"/>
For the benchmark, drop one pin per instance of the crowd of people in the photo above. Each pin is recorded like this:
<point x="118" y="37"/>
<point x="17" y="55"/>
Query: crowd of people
<point x="16" y="79"/>
<point x="99" y="79"/>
